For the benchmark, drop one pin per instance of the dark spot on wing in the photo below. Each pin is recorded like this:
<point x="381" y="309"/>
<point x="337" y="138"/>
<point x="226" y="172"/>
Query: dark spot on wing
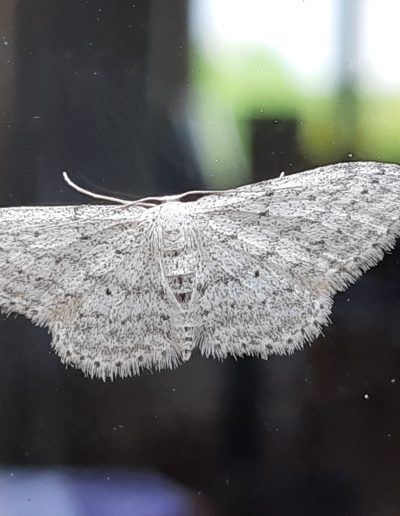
<point x="200" y="288"/>
<point x="183" y="297"/>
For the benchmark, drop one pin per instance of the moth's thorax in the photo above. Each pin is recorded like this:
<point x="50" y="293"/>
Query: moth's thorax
<point x="172" y="215"/>
<point x="177" y="250"/>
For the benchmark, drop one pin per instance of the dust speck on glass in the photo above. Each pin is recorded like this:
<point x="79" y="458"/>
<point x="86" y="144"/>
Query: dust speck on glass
<point x="247" y="271"/>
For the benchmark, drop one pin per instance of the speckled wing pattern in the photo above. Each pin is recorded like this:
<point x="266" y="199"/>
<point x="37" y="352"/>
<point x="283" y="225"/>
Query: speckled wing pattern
<point x="248" y="271"/>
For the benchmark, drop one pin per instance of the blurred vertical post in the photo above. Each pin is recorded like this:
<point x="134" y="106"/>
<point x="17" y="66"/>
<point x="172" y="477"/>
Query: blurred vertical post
<point x="348" y="65"/>
<point x="274" y="147"/>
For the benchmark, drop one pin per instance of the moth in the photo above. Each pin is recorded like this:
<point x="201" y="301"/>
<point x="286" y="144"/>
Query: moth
<point x="247" y="271"/>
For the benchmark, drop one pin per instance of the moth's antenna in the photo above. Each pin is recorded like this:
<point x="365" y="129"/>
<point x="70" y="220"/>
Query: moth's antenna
<point x="92" y="194"/>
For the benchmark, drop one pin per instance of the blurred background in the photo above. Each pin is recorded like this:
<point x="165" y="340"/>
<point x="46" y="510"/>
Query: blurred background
<point x="144" y="97"/>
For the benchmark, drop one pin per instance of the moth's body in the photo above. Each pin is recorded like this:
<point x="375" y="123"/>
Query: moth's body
<point x="250" y="271"/>
<point x="177" y="247"/>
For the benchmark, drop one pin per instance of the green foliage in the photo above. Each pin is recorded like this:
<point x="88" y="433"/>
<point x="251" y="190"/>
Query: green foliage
<point x="235" y="85"/>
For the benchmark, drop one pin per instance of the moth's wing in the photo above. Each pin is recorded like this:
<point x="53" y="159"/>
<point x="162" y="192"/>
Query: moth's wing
<point x="91" y="275"/>
<point x="274" y="253"/>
